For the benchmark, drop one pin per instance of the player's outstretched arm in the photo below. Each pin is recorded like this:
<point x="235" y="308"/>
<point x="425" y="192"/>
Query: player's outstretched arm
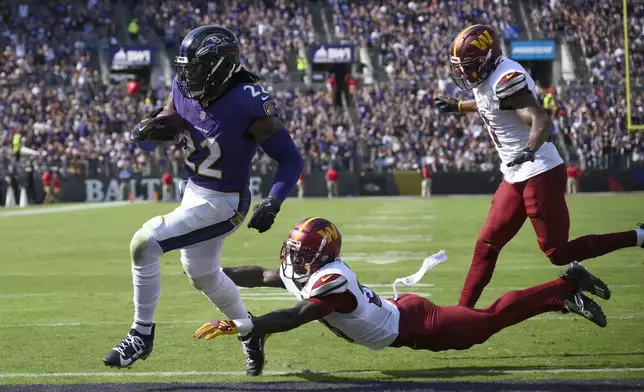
<point x="525" y="105"/>
<point x="284" y="320"/>
<point x="254" y="276"/>
<point x="277" y="321"/>
<point x="272" y="136"/>
<point x="450" y="105"/>
<point x="468" y="106"/>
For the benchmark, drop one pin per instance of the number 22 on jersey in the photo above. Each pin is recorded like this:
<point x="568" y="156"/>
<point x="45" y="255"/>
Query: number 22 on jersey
<point x="255" y="93"/>
<point x="205" y="166"/>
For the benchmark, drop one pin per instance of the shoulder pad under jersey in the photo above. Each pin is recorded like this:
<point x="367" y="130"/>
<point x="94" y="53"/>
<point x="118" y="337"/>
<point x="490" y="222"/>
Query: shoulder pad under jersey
<point x="257" y="101"/>
<point x="331" y="283"/>
<point x="509" y="83"/>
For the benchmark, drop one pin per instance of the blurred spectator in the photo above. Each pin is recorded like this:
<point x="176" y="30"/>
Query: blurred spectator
<point x="332" y="187"/>
<point x="300" y="185"/>
<point x="573" y="174"/>
<point x="549" y="102"/>
<point x="426" y="182"/>
<point x="125" y="175"/>
<point x="133" y="29"/>
<point x="133" y="87"/>
<point x="55" y="183"/>
<point x="47" y="186"/>
<point x="511" y="33"/>
<point x="167" y="182"/>
<point x="16" y="143"/>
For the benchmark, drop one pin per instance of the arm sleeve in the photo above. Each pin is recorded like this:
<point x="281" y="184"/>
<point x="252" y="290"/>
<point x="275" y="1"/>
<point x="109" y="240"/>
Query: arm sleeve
<point x="331" y="292"/>
<point x="342" y="302"/>
<point x="258" y="102"/>
<point x="281" y="148"/>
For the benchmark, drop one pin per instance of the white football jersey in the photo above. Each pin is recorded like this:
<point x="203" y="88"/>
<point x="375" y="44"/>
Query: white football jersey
<point x="374" y="322"/>
<point x="508" y="132"/>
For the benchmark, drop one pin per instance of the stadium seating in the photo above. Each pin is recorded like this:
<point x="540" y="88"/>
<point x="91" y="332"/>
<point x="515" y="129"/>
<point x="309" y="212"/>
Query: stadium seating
<point x="51" y="90"/>
<point x="270" y="36"/>
<point x="581" y="26"/>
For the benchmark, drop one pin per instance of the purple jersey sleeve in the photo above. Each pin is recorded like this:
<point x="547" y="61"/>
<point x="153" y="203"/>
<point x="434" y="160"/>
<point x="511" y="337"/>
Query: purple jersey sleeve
<point x="258" y="102"/>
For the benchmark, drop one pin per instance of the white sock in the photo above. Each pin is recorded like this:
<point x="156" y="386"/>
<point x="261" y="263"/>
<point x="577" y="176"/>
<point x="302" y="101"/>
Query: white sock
<point x="640" y="236"/>
<point x="223" y="293"/>
<point x="142" y="329"/>
<point x="146" y="279"/>
<point x="147" y="289"/>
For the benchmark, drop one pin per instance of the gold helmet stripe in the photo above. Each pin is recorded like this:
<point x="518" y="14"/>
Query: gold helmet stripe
<point x="461" y="34"/>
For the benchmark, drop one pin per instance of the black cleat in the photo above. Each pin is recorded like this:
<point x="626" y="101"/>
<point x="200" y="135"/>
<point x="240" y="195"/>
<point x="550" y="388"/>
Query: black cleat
<point x="587" y="281"/>
<point x="585" y="307"/>
<point x="640" y="227"/>
<point x="253" y="348"/>
<point x="134" y="346"/>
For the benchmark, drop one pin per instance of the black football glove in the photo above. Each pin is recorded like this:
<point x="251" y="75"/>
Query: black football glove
<point x="446" y="104"/>
<point x="264" y="214"/>
<point x="527" y="154"/>
<point x="159" y="129"/>
<point x="154" y="113"/>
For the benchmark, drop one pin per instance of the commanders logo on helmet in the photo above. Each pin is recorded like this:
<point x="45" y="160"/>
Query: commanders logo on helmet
<point x="475" y="53"/>
<point x="311" y="244"/>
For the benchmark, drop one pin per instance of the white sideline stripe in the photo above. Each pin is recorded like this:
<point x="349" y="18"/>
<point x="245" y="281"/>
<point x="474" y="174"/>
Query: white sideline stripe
<point x="501" y="267"/>
<point x="636" y="316"/>
<point x="126" y="374"/>
<point x="402" y="212"/>
<point x="391" y="226"/>
<point x="267" y="292"/>
<point x="56" y="209"/>
<point x="398" y="217"/>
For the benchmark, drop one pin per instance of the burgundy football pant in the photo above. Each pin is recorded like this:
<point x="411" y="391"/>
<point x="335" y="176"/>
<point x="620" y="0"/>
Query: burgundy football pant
<point x="542" y="199"/>
<point x="426" y="326"/>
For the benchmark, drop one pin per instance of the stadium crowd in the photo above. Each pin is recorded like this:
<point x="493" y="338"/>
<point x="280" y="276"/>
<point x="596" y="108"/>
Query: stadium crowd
<point x="52" y="93"/>
<point x="412" y="40"/>
<point x="412" y="37"/>
<point x="271" y="33"/>
<point x="597" y="27"/>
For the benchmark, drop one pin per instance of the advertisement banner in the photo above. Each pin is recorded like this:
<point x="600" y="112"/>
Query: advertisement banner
<point x="532" y="50"/>
<point x="130" y="57"/>
<point x="331" y="54"/>
<point x="373" y="185"/>
<point x="98" y="189"/>
<point x="79" y="189"/>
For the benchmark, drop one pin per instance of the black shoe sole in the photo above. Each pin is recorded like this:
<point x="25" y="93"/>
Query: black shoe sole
<point x="600" y="321"/>
<point x="114" y="366"/>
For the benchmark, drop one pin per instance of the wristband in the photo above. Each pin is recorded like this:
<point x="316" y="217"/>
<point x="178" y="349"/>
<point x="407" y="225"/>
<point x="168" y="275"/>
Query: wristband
<point x="458" y="106"/>
<point x="244" y="326"/>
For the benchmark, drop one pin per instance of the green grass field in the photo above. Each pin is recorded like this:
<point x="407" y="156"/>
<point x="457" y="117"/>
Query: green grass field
<point x="65" y="297"/>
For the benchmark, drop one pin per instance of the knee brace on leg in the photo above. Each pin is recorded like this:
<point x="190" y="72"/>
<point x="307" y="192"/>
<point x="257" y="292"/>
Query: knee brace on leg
<point x="144" y="249"/>
<point x="222" y="292"/>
